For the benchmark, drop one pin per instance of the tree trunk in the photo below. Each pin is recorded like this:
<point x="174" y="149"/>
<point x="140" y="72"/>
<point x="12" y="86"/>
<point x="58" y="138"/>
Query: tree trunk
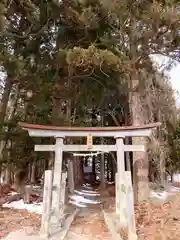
<point x="162" y="170"/>
<point x="94" y="167"/>
<point x="78" y="171"/>
<point x="171" y="177"/>
<point x="5" y="99"/>
<point x="112" y="170"/>
<point x="70" y="176"/>
<point x="33" y="173"/>
<point x="127" y="154"/>
<point x="108" y="170"/>
<point x="29" y="172"/>
<point x="3" y="108"/>
<point x="140" y="159"/>
<point x="102" y="171"/>
<point x="8" y="174"/>
<point x="2" y="15"/>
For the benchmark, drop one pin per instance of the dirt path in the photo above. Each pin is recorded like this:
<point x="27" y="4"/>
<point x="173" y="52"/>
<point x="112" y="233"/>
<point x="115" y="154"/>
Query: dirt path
<point x="89" y="225"/>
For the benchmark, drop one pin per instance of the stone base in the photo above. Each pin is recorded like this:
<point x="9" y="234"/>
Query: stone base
<point x="60" y="232"/>
<point x="112" y="221"/>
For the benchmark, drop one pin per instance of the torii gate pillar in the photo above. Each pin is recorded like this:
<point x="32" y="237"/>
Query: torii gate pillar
<point x="57" y="175"/>
<point x="120" y="182"/>
<point x="117" y="132"/>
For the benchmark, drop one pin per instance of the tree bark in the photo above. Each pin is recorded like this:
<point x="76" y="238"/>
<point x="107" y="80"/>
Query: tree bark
<point x="78" y="171"/>
<point x="94" y="168"/>
<point x="127" y="154"/>
<point x="8" y="174"/>
<point x="3" y="108"/>
<point x="5" y="99"/>
<point x="140" y="159"/>
<point x="70" y="176"/>
<point x="2" y="14"/>
<point x="33" y="173"/>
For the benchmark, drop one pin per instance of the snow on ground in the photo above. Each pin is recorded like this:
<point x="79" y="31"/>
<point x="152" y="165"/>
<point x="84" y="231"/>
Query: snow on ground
<point x="32" y="207"/>
<point x="86" y="196"/>
<point x="87" y="193"/>
<point x="163" y="195"/>
<point x="80" y="198"/>
<point x="176" y="178"/>
<point x="159" y="195"/>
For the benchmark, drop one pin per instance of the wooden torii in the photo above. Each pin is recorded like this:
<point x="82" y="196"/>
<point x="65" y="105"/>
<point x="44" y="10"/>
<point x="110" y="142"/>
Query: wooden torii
<point x="119" y="133"/>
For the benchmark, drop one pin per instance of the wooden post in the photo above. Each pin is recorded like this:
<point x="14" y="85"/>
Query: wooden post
<point x="28" y="190"/>
<point x="70" y="176"/>
<point x="121" y="181"/>
<point x="46" y="204"/>
<point x="57" y="178"/>
<point x="130" y="208"/>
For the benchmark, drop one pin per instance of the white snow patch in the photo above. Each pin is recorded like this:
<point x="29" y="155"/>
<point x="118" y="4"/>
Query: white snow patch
<point x="160" y="195"/>
<point x="164" y="195"/>
<point x="12" y="193"/>
<point x="32" y="208"/>
<point x="176" y="178"/>
<point x="16" y="205"/>
<point x="110" y="183"/>
<point x="174" y="189"/>
<point x="87" y="193"/>
<point x="81" y="199"/>
<point x="87" y="186"/>
<point x="1" y="180"/>
<point x="36" y="187"/>
<point x="77" y="204"/>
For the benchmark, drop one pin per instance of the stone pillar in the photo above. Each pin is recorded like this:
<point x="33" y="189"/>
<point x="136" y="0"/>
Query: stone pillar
<point x="62" y="193"/>
<point x="57" y="177"/>
<point x="46" y="211"/>
<point x="121" y="184"/>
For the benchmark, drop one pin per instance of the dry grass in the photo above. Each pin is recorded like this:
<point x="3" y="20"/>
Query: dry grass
<point x="155" y="221"/>
<point x="91" y="228"/>
<point x="12" y="220"/>
<point x="159" y="221"/>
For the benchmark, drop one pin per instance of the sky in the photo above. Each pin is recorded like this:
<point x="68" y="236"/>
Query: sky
<point x="173" y="74"/>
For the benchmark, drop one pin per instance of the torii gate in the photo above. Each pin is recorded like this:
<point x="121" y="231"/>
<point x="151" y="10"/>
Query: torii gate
<point x="119" y="133"/>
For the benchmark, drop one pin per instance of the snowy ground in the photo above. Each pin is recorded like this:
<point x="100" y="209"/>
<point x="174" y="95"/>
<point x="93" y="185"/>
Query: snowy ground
<point x="169" y="191"/>
<point x="88" y="225"/>
<point x="81" y="198"/>
<point x="86" y="196"/>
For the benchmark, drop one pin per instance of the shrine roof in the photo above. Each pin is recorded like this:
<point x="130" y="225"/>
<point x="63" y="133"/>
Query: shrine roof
<point x="27" y="126"/>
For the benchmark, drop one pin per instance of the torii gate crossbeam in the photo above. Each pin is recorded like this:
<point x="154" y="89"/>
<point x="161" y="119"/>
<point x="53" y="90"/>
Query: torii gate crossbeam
<point x="119" y="133"/>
